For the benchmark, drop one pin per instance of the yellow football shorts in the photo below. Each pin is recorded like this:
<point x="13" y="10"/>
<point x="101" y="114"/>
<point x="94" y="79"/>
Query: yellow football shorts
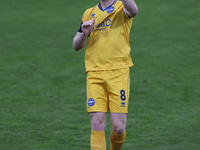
<point x="108" y="89"/>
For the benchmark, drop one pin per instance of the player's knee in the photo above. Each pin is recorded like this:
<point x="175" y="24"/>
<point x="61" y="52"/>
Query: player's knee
<point x="98" y="125"/>
<point x="119" y="129"/>
<point x="98" y="121"/>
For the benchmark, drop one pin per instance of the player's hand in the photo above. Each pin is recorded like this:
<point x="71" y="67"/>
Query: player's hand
<point x="87" y="27"/>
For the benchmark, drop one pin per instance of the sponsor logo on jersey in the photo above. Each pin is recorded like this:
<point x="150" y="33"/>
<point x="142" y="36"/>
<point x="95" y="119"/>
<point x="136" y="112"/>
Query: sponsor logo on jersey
<point x="110" y="10"/>
<point x="91" y="102"/>
<point x="93" y="16"/>
<point x="123" y="104"/>
<point x="103" y="25"/>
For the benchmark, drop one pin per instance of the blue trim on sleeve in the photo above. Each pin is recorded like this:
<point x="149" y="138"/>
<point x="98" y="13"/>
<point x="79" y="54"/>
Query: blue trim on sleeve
<point x="107" y="7"/>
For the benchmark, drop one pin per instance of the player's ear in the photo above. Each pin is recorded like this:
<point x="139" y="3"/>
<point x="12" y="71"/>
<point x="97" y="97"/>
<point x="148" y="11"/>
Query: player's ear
<point x="82" y="19"/>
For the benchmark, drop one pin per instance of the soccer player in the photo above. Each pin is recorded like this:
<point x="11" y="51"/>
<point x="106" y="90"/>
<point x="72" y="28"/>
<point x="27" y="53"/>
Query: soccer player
<point x="107" y="59"/>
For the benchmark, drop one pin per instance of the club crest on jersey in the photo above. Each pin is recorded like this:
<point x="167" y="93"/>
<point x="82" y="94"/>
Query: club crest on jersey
<point x="91" y="102"/>
<point x="92" y="16"/>
<point x="110" y="10"/>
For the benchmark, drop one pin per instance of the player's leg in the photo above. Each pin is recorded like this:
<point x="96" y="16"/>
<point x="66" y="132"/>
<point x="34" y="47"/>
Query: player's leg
<point x="118" y="133"/>
<point x="97" y="106"/>
<point x="118" y="122"/>
<point x="118" y="88"/>
<point x="98" y="124"/>
<point x="98" y="121"/>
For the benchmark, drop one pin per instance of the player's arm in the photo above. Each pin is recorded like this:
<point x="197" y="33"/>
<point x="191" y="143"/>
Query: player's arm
<point x="82" y="35"/>
<point x="79" y="41"/>
<point x="131" y="8"/>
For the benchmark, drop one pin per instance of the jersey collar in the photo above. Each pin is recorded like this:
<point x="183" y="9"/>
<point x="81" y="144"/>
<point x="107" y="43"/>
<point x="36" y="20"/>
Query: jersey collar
<point x="107" y="7"/>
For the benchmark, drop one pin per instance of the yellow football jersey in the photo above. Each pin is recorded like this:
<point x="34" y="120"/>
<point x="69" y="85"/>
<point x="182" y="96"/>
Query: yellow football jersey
<point x="108" y="46"/>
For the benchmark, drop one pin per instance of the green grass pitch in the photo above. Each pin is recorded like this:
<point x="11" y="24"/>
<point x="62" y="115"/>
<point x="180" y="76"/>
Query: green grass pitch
<point x="42" y="79"/>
